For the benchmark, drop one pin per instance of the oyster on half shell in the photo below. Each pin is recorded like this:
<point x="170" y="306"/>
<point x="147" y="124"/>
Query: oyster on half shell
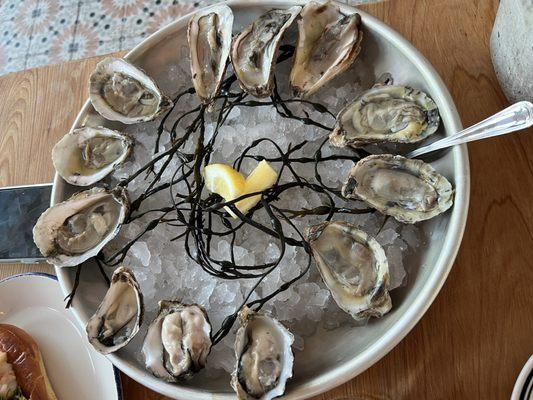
<point x="209" y="36"/>
<point x="328" y="43"/>
<point x="119" y="91"/>
<point x="77" y="229"/>
<point x="408" y="190"/>
<point x="86" y="155"/>
<point x="254" y="50"/>
<point x="353" y="266"/>
<point x="178" y="341"/>
<point x="386" y="113"/>
<point x="119" y="317"/>
<point x="263" y="349"/>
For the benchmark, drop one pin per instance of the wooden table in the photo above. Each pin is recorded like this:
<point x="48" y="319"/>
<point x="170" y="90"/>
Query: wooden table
<point x="474" y="339"/>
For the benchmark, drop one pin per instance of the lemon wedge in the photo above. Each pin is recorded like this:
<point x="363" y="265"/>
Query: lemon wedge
<point x="230" y="184"/>
<point x="224" y="181"/>
<point x="261" y="178"/>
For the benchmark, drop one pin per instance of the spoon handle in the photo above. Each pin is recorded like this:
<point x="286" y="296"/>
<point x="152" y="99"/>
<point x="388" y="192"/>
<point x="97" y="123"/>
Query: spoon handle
<point x="513" y="118"/>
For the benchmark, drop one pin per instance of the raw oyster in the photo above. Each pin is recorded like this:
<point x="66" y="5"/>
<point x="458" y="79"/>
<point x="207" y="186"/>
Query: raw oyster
<point x="119" y="317"/>
<point x="408" y="190"/>
<point x="209" y="36"/>
<point x="86" y="155"/>
<point x="386" y="113"/>
<point x="178" y="341"/>
<point x="328" y="43"/>
<point x="77" y="229"/>
<point x="122" y="92"/>
<point x="353" y="266"/>
<point x="254" y="50"/>
<point x="264" y="357"/>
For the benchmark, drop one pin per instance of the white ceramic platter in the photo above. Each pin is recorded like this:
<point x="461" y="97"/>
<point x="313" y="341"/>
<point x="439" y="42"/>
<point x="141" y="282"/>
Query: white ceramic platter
<point x="34" y="302"/>
<point x="350" y="351"/>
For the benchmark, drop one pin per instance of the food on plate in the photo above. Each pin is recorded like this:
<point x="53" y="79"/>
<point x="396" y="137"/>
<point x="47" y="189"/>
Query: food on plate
<point x="263" y="255"/>
<point x="223" y="180"/>
<point x="231" y="184"/>
<point x="77" y="229"/>
<point x="353" y="266"/>
<point x="119" y="91"/>
<point x="119" y="317"/>
<point x="261" y="178"/>
<point x="86" y="155"/>
<point x="408" y="190"/>
<point x="22" y="372"/>
<point x="263" y="349"/>
<point x="386" y="113"/>
<point x="254" y="50"/>
<point x="209" y="36"/>
<point x="178" y="341"/>
<point x="9" y="388"/>
<point x="328" y="43"/>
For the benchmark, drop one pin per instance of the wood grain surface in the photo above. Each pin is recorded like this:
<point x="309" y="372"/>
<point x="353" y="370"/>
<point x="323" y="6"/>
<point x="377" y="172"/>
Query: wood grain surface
<point x="476" y="336"/>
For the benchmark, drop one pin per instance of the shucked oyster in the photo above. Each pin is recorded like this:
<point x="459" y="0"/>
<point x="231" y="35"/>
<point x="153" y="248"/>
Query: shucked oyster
<point x="353" y="266"/>
<point x="119" y="316"/>
<point x="86" y="155"/>
<point x="178" y="341"/>
<point x="386" y="114"/>
<point x="328" y="43"/>
<point x="209" y="36"/>
<point x="264" y="357"/>
<point x="254" y="50"/>
<point x="409" y="190"/>
<point x="77" y="229"/>
<point x="122" y="92"/>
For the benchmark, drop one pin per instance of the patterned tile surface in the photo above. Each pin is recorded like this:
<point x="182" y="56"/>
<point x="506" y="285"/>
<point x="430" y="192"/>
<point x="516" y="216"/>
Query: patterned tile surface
<point x="34" y="33"/>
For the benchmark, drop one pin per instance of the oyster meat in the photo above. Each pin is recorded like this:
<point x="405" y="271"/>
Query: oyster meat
<point x="264" y="357"/>
<point x="386" y="113"/>
<point x="86" y="155"/>
<point x="209" y="36"/>
<point x="119" y="317"/>
<point x="408" y="190"/>
<point x="254" y="50"/>
<point x="119" y="91"/>
<point x="353" y="266"/>
<point x="178" y="341"/>
<point x="77" y="229"/>
<point x="328" y="43"/>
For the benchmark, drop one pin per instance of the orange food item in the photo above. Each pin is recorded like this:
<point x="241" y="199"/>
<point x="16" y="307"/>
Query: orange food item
<point x="27" y="362"/>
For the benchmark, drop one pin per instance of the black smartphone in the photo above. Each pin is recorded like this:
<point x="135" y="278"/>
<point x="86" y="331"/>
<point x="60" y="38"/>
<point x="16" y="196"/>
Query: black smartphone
<point x="20" y="207"/>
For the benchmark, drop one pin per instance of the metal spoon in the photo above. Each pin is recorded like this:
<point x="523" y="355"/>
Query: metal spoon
<point x="516" y="117"/>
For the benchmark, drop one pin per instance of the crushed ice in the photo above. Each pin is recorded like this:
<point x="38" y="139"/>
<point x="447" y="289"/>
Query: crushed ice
<point x="165" y="272"/>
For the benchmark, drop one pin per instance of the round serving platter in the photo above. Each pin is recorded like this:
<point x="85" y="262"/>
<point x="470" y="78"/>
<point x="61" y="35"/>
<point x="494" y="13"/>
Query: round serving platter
<point x="350" y="351"/>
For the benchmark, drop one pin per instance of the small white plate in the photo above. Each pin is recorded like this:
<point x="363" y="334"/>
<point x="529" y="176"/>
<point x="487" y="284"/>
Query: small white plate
<point x="34" y="302"/>
<point x="523" y="388"/>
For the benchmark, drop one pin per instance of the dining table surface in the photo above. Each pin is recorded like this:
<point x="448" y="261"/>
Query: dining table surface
<point x="478" y="333"/>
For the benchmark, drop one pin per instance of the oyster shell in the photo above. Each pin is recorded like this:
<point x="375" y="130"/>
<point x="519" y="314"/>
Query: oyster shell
<point x="254" y="50"/>
<point x="178" y="341"/>
<point x="386" y="113"/>
<point x="328" y="43"/>
<point x="408" y="190"/>
<point x="209" y="36"/>
<point x="77" y="229"/>
<point x="119" y="317"/>
<point x="264" y="357"/>
<point x="353" y="266"/>
<point x="119" y="91"/>
<point x="86" y="155"/>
